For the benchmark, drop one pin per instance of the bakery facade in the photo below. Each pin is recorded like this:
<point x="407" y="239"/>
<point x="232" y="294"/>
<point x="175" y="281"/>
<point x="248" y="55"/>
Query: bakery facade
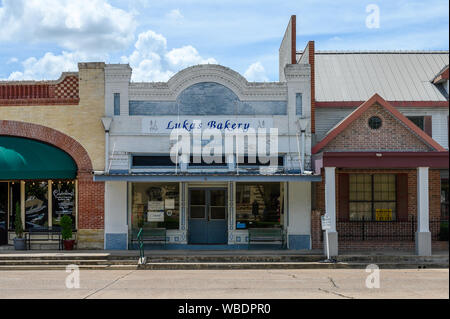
<point x="360" y="136"/>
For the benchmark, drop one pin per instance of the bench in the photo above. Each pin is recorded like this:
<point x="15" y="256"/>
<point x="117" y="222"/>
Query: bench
<point x="150" y="235"/>
<point x="266" y="236"/>
<point x="40" y="235"/>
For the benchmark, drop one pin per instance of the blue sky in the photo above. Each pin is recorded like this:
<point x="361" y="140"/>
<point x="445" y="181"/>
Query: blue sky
<point x="39" y="39"/>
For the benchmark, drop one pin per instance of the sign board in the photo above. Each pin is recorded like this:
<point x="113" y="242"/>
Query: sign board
<point x="155" y="216"/>
<point x="152" y="125"/>
<point x="326" y="222"/>
<point x="383" y="214"/>
<point x="169" y="203"/>
<point x="155" y="205"/>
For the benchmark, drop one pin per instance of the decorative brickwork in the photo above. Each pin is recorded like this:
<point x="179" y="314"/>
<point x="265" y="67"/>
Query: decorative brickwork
<point x="61" y="92"/>
<point x="391" y="136"/>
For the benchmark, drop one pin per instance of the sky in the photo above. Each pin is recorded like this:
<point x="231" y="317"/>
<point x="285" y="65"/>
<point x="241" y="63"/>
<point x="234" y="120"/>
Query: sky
<point x="39" y="39"/>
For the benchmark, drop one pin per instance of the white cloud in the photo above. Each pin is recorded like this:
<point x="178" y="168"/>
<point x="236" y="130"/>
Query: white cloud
<point x="12" y="60"/>
<point x="86" y="25"/>
<point x="151" y="60"/>
<point x="186" y="56"/>
<point x="174" y="15"/>
<point x="256" y="73"/>
<point x="49" y="67"/>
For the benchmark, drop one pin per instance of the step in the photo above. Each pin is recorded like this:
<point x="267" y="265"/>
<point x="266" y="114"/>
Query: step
<point x="67" y="262"/>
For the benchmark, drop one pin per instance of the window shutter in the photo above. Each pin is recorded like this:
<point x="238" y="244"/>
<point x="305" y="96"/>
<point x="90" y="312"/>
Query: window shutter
<point x="344" y="193"/>
<point x="427" y="126"/>
<point x="402" y="197"/>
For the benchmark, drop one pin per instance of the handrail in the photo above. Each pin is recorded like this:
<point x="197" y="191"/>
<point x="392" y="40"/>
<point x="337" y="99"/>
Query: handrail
<point x="141" y="247"/>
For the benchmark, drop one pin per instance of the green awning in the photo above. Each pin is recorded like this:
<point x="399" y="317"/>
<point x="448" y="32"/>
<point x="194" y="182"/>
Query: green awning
<point x="22" y="158"/>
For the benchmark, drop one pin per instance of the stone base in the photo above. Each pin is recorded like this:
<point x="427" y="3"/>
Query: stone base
<point x="333" y="240"/>
<point x="423" y="243"/>
<point x="116" y="241"/>
<point x="299" y="242"/>
<point x="90" y="239"/>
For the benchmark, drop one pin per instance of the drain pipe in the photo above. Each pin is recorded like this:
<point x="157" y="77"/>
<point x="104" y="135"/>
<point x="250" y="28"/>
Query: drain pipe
<point x="106" y="121"/>
<point x="302" y="124"/>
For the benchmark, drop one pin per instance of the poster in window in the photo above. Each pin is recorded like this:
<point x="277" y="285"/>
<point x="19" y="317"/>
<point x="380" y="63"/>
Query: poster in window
<point x="169" y="203"/>
<point x="155" y="216"/>
<point x="155" y="205"/>
<point x="383" y="215"/>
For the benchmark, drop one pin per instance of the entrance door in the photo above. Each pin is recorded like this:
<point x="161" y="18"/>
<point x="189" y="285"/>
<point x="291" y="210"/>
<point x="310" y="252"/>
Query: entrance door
<point x="208" y="216"/>
<point x="3" y="213"/>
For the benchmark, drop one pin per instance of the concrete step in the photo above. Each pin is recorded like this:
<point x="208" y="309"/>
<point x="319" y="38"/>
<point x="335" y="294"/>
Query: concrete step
<point x="67" y="262"/>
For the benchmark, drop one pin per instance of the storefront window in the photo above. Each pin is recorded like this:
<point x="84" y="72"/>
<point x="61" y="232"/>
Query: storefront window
<point x="63" y="201"/>
<point x="372" y="197"/>
<point x="258" y="205"/>
<point x="155" y="205"/>
<point x="36" y="204"/>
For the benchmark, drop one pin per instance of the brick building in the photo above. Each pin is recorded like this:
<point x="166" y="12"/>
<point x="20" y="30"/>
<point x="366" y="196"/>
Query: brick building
<point x="51" y="140"/>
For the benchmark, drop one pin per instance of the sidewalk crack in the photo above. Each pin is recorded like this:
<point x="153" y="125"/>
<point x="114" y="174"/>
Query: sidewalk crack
<point x="109" y="284"/>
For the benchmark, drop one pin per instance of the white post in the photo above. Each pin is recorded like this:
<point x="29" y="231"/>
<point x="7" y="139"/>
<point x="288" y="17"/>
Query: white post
<point x="423" y="235"/>
<point x="330" y="210"/>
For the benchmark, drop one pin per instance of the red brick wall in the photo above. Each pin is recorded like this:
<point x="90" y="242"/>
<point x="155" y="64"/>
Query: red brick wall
<point x="90" y="193"/>
<point x="434" y="200"/>
<point x="91" y="199"/>
<point x="391" y="136"/>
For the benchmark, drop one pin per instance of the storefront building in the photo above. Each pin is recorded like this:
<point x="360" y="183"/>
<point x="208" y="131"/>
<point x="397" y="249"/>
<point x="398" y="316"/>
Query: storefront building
<point x="201" y="204"/>
<point x="51" y="141"/>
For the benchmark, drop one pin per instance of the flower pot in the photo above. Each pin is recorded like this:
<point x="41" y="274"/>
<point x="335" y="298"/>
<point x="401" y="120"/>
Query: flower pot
<point x="68" y="244"/>
<point x="20" y="244"/>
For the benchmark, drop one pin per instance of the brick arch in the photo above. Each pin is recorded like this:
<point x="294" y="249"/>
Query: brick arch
<point x="52" y="137"/>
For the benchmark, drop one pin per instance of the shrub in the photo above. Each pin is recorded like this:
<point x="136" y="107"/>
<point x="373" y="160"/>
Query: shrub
<point x="66" y="227"/>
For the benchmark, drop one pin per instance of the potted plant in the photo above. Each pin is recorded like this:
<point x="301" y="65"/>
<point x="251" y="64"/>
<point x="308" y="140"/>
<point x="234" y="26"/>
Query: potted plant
<point x="66" y="232"/>
<point x="19" y="241"/>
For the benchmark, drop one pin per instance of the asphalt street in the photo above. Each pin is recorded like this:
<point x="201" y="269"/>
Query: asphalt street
<point x="242" y="284"/>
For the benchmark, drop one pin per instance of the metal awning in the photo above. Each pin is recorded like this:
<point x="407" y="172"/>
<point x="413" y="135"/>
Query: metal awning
<point x="22" y="158"/>
<point x="205" y="177"/>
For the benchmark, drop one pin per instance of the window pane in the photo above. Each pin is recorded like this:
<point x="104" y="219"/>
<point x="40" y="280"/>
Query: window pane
<point x="155" y="205"/>
<point x="36" y="204"/>
<point x="217" y="197"/>
<point x="198" y="197"/>
<point x="258" y="205"/>
<point x="63" y="201"/>
<point x="218" y="212"/>
<point x="198" y="211"/>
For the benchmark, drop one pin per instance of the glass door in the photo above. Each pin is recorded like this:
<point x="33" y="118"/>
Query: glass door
<point x="4" y="213"/>
<point x="207" y="216"/>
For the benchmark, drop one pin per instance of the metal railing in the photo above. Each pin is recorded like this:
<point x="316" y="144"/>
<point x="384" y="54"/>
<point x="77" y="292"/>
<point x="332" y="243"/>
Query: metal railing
<point x="141" y="247"/>
<point x="362" y="230"/>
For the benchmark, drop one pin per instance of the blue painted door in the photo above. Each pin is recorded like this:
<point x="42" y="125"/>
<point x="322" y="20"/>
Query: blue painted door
<point x="208" y="216"/>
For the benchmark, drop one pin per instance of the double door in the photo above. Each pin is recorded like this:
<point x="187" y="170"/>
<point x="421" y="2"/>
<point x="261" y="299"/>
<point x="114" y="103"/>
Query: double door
<point x="208" y="216"/>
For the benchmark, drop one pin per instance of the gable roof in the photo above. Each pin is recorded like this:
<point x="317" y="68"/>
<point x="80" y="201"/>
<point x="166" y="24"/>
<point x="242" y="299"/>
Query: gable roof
<point x="341" y="126"/>
<point x="354" y="76"/>
<point x="442" y="76"/>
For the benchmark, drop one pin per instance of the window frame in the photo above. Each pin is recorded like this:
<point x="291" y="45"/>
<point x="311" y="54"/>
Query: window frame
<point x="373" y="201"/>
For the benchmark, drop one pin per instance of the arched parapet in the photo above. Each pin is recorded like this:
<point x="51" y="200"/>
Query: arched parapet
<point x="208" y="73"/>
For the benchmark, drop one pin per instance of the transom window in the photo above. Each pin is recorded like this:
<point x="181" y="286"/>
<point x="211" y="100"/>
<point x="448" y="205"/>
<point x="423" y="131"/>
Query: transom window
<point x="372" y="197"/>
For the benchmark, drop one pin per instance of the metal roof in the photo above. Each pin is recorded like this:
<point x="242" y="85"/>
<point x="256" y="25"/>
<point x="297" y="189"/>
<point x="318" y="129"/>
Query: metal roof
<point x="395" y="75"/>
